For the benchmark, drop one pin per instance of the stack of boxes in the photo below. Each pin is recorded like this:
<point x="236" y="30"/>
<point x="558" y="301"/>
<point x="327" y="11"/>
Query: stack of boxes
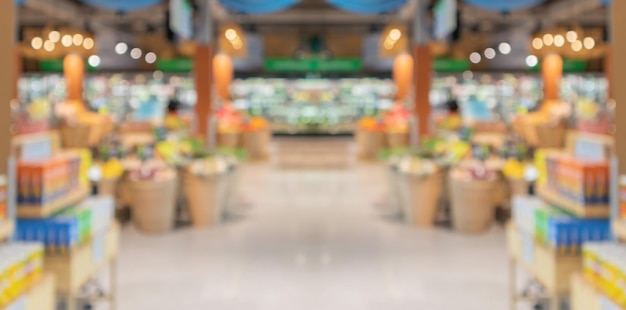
<point x="45" y="181"/>
<point x="605" y="267"/>
<point x="3" y="199"/>
<point x="21" y="266"/>
<point x="555" y="228"/>
<point x="583" y="182"/>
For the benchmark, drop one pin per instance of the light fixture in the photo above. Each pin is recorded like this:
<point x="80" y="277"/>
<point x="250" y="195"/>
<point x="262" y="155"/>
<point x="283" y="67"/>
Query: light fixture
<point x="589" y="43"/>
<point x="532" y="60"/>
<point x="577" y="46"/>
<point x="94" y="61"/>
<point x="66" y="40"/>
<point x="230" y="34"/>
<point x="151" y="58"/>
<point x="490" y="53"/>
<point x="548" y="39"/>
<point x="559" y="40"/>
<point x="136" y="53"/>
<point x="475" y="57"/>
<point x="504" y="48"/>
<point x="78" y="39"/>
<point x="54" y="36"/>
<point x="48" y="46"/>
<point x="36" y="43"/>
<point x="121" y="48"/>
<point x="388" y="44"/>
<point x="537" y="43"/>
<point x="395" y="34"/>
<point x="237" y="44"/>
<point x="88" y="43"/>
<point x="571" y="36"/>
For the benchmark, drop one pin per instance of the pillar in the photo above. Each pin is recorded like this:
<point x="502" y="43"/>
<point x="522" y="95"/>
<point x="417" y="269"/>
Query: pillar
<point x="403" y="67"/>
<point x="552" y="72"/>
<point x="7" y="79"/>
<point x="618" y="72"/>
<point x="423" y="68"/>
<point x="74" y="72"/>
<point x="203" y="70"/>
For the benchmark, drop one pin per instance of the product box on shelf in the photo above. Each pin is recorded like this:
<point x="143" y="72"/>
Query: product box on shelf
<point x="581" y="181"/>
<point x="21" y="266"/>
<point x="604" y="265"/>
<point x="524" y="208"/>
<point x="3" y="198"/>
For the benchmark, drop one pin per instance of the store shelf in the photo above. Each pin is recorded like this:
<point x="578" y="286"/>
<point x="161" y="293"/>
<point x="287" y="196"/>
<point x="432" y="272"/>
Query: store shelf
<point x="81" y="264"/>
<point x="619" y="229"/>
<point x="39" y="297"/>
<point x="580" y="210"/>
<point x="586" y="297"/>
<point x="43" y="211"/>
<point x="6" y="229"/>
<point x="553" y="270"/>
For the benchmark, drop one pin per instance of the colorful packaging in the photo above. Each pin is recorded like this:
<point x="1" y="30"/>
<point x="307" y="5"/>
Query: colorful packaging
<point x="21" y="265"/>
<point x="604" y="265"/>
<point x="3" y="198"/>
<point x="584" y="182"/>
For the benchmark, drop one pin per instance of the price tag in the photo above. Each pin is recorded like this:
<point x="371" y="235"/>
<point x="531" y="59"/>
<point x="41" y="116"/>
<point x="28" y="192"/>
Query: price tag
<point x="589" y="149"/>
<point x="528" y="249"/>
<point x="98" y="250"/>
<point x="607" y="304"/>
<point x="36" y="150"/>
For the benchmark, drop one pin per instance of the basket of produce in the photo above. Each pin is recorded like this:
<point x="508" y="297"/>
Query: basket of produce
<point x="75" y="135"/>
<point x="206" y="189"/>
<point x="397" y="127"/>
<point x="472" y="198"/>
<point x="256" y="137"/>
<point x="370" y="138"/>
<point x="421" y="185"/>
<point x="153" y="198"/>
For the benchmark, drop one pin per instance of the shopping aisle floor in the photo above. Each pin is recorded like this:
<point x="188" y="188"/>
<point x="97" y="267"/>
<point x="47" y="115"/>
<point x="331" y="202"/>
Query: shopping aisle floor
<point x="313" y="239"/>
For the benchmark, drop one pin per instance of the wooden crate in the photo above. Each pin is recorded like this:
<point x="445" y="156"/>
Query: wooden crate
<point x="553" y="270"/>
<point x="73" y="270"/>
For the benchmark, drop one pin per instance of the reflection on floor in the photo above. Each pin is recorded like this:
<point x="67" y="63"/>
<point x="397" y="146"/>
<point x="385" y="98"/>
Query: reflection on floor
<point x="313" y="239"/>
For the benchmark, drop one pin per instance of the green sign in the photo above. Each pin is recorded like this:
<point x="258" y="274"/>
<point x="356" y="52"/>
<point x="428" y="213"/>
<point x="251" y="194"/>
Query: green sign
<point x="175" y="65"/>
<point x="313" y="65"/>
<point x="569" y="65"/>
<point x="56" y="66"/>
<point x="450" y="65"/>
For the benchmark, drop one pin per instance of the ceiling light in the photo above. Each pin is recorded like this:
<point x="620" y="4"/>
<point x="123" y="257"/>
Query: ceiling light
<point x="559" y="40"/>
<point x="136" y="53"/>
<point x="532" y="61"/>
<point x="548" y="39"/>
<point x="504" y="48"/>
<point x="388" y="44"/>
<point x="577" y="46"/>
<point x="475" y="57"/>
<point x="490" y="53"/>
<point x="48" y="46"/>
<point x="571" y="36"/>
<point x="88" y="43"/>
<point x="589" y="43"/>
<point x="78" y="39"/>
<point x="121" y="48"/>
<point x="94" y="61"/>
<point x="66" y="40"/>
<point x="54" y="36"/>
<point x="395" y="34"/>
<point x="36" y="43"/>
<point x="230" y="34"/>
<point x="537" y="43"/>
<point x="151" y="58"/>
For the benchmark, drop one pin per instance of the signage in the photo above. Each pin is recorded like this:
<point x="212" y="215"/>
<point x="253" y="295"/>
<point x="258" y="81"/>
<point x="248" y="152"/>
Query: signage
<point x="338" y="65"/>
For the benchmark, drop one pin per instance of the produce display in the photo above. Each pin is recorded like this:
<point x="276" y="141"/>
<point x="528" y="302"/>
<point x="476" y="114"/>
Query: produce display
<point x="605" y="267"/>
<point x="69" y="228"/>
<point x="21" y="266"/>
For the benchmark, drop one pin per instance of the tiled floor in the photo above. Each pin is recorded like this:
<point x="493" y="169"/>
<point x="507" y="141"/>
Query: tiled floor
<point x="313" y="239"/>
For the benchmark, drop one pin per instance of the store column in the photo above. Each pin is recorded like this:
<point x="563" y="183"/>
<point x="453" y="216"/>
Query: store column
<point x="552" y="71"/>
<point x="74" y="73"/>
<point x="7" y="79"/>
<point x="203" y="69"/>
<point x="422" y="77"/>
<point x="618" y="39"/>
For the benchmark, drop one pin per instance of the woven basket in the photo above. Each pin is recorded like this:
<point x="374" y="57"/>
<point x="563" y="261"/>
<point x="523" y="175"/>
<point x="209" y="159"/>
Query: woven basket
<point x="396" y="140"/>
<point x="205" y="196"/>
<point x="551" y="136"/>
<point x="370" y="143"/>
<point x="421" y="196"/>
<point x="75" y="135"/>
<point x="153" y="204"/>
<point x="229" y="140"/>
<point x="255" y="143"/>
<point x="472" y="204"/>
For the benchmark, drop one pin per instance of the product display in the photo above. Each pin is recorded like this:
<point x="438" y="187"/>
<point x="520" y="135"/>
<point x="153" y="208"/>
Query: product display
<point x="605" y="268"/>
<point x="581" y="181"/>
<point x="45" y="181"/>
<point x="21" y="266"/>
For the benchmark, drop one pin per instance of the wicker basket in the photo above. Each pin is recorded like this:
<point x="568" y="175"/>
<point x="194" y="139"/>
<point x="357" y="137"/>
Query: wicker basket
<point x="205" y="196"/>
<point x="255" y="143"/>
<point x="75" y="135"/>
<point x="551" y="136"/>
<point x="420" y="197"/>
<point x="370" y="143"/>
<point x="229" y="140"/>
<point x="396" y="140"/>
<point x="153" y="204"/>
<point x="472" y="204"/>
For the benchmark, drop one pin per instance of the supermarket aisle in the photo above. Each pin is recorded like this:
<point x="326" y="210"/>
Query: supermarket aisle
<point x="313" y="240"/>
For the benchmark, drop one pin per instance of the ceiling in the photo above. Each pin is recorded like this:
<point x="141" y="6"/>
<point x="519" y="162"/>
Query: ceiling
<point x="314" y="14"/>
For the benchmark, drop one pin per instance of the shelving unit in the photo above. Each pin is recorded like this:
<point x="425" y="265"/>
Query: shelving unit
<point x="586" y="297"/>
<point x="580" y="210"/>
<point x="6" y="229"/>
<point x="42" y="211"/>
<point x="38" y="297"/>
